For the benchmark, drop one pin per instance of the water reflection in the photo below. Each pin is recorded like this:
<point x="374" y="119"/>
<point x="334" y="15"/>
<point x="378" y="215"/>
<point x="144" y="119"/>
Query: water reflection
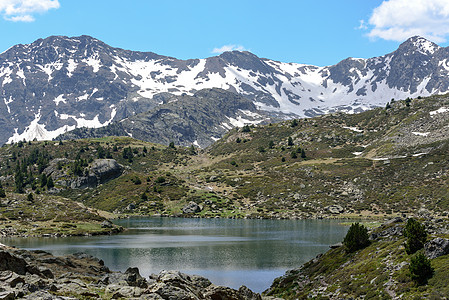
<point x="228" y="252"/>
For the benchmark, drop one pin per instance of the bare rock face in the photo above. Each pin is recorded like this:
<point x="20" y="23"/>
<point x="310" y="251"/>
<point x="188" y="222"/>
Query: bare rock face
<point x="9" y="262"/>
<point x="105" y="169"/>
<point x="436" y="248"/>
<point x="101" y="171"/>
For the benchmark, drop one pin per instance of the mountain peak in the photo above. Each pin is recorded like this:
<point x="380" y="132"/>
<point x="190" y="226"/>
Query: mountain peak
<point x="419" y="44"/>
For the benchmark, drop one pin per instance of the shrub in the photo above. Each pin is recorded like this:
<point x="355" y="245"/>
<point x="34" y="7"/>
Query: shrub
<point x="416" y="236"/>
<point x="356" y="238"/>
<point x="160" y="180"/>
<point x="30" y="197"/>
<point x="137" y="180"/>
<point x="2" y="193"/>
<point x="420" y="268"/>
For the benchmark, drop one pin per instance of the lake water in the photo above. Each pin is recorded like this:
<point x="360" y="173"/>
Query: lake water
<point x="228" y="252"/>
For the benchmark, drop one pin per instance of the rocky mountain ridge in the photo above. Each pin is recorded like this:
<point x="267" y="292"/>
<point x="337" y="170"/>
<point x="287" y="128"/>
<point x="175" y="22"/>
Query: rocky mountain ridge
<point x="198" y="120"/>
<point x="57" y="84"/>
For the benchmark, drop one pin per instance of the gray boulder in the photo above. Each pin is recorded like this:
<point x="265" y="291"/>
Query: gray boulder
<point x="105" y="169"/>
<point x="335" y="209"/>
<point x="436" y="248"/>
<point x="13" y="263"/>
<point x="191" y="208"/>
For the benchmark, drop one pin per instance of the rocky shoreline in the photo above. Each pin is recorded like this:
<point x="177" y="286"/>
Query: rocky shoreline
<point x="40" y="275"/>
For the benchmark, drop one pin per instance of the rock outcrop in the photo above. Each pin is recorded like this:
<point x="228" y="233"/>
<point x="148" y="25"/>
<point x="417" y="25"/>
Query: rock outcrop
<point x="99" y="171"/>
<point x="436" y="248"/>
<point x="40" y="275"/>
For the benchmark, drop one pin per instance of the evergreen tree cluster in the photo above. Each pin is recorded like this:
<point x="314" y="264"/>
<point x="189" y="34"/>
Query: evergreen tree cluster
<point x="26" y="168"/>
<point x="128" y="154"/>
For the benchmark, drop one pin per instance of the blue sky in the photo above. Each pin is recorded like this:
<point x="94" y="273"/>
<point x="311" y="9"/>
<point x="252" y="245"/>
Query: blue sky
<point x="319" y="32"/>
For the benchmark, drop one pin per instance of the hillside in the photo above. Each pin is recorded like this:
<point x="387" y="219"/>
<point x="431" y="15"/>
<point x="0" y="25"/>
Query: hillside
<point x="387" y="161"/>
<point x="379" y="271"/>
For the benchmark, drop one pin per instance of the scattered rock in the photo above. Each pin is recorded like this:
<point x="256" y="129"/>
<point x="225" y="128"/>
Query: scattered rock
<point x="106" y="224"/>
<point x="337" y="245"/>
<point x="436" y="248"/>
<point x="394" y="220"/>
<point x="335" y="209"/>
<point x="191" y="208"/>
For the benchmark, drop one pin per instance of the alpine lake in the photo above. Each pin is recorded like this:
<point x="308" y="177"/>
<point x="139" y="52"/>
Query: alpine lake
<point x="229" y="252"/>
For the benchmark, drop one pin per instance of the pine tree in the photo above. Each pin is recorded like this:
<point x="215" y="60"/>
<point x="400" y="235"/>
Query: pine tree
<point x="416" y="236"/>
<point x="43" y="179"/>
<point x="2" y="191"/>
<point x="290" y="141"/>
<point x="420" y="268"/>
<point x="356" y="238"/>
<point x="192" y="150"/>
<point x="50" y="183"/>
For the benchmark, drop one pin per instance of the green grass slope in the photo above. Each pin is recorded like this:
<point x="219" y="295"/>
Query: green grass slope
<point x="387" y="161"/>
<point x="379" y="271"/>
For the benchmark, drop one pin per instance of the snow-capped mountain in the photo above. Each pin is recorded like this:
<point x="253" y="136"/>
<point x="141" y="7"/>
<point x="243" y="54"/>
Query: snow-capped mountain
<point x="57" y="84"/>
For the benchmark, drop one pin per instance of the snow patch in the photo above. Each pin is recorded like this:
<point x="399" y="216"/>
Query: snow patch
<point x="7" y="103"/>
<point x="439" y="111"/>
<point x="421" y="133"/>
<point x="419" y="154"/>
<point x="59" y="99"/>
<point x="71" y="67"/>
<point x="353" y="129"/>
<point x="37" y="131"/>
<point x="94" y="63"/>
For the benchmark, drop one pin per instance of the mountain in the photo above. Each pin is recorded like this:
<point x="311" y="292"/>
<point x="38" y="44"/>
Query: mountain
<point x="57" y="84"/>
<point x="200" y="119"/>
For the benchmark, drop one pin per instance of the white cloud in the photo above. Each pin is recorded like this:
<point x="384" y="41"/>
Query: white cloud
<point x="23" y="10"/>
<point x="397" y="20"/>
<point x="229" y="48"/>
